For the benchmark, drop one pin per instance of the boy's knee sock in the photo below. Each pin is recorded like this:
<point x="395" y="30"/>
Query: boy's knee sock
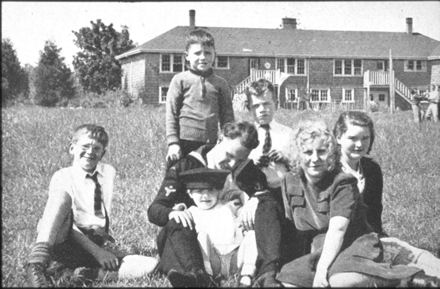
<point x="40" y="253"/>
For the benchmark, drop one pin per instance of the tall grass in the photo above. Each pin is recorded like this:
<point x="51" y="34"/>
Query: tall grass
<point x="35" y="142"/>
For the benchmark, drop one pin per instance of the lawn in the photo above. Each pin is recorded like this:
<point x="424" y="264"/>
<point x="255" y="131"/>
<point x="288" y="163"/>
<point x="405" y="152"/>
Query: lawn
<point x="35" y="142"/>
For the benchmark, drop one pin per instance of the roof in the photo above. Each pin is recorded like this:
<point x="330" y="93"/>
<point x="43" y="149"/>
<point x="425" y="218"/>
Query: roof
<point x="298" y="43"/>
<point x="435" y="54"/>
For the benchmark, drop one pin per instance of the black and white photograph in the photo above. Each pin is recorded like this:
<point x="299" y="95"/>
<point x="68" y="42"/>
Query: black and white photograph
<point x="200" y="144"/>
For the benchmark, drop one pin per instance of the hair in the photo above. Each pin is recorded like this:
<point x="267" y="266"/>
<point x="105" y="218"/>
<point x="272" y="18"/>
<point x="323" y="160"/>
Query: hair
<point x="312" y="129"/>
<point x="244" y="130"/>
<point x="199" y="36"/>
<point x="94" y="131"/>
<point x="358" y="118"/>
<point x="259" y="88"/>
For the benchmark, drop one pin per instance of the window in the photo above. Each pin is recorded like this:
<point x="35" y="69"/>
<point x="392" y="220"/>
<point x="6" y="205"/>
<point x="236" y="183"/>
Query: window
<point x="291" y="95"/>
<point x="171" y="63"/>
<point x="280" y="64"/>
<point x="163" y="90"/>
<point x="292" y="65"/>
<point x="381" y="97"/>
<point x="415" y="65"/>
<point x="300" y="66"/>
<point x="254" y="63"/>
<point x="222" y="62"/>
<point x="348" y="95"/>
<point x="348" y="67"/>
<point x="357" y="66"/>
<point x="320" y="95"/>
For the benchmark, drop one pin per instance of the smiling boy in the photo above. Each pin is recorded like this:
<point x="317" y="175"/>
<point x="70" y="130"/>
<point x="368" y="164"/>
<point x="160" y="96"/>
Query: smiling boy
<point x="75" y="222"/>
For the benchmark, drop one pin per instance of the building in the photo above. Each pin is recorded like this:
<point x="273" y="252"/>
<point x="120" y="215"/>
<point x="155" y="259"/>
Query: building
<point x="338" y="68"/>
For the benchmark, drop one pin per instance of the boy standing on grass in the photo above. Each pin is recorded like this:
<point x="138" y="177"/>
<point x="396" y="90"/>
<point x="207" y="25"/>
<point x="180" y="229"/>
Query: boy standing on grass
<point x="197" y="100"/>
<point x="75" y="222"/>
<point x="226" y="249"/>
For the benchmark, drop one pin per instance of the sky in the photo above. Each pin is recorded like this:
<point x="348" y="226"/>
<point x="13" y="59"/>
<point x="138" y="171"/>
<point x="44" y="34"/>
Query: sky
<point x="29" y="24"/>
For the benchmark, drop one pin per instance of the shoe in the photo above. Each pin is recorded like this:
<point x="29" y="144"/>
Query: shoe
<point x="422" y="280"/>
<point x="197" y="279"/>
<point x="36" y="275"/>
<point x="267" y="279"/>
<point x="182" y="280"/>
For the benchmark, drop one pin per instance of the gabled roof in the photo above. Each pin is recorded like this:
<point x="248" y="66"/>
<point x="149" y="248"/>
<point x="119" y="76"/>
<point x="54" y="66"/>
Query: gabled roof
<point x="298" y="43"/>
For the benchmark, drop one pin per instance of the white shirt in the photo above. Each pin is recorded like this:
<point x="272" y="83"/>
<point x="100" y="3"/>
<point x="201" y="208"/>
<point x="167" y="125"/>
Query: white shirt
<point x="220" y="224"/>
<point x="73" y="181"/>
<point x="282" y="140"/>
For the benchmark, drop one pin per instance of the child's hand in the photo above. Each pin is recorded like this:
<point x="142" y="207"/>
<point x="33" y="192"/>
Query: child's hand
<point x="184" y="217"/>
<point x="174" y="153"/>
<point x="107" y="259"/>
<point x="247" y="214"/>
<point x="320" y="279"/>
<point x="276" y="156"/>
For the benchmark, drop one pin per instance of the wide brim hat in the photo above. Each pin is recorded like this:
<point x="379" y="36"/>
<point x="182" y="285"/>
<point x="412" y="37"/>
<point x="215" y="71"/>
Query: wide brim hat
<point x="203" y="178"/>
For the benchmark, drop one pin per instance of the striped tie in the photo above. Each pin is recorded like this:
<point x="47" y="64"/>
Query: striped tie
<point x="98" y="197"/>
<point x="267" y="141"/>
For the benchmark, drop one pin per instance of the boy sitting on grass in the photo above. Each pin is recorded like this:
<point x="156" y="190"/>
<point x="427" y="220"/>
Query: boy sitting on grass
<point x="226" y="249"/>
<point x="75" y="222"/>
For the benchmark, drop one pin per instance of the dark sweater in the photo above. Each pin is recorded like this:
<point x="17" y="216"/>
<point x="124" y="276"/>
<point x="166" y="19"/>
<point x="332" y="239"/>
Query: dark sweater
<point x="196" y="104"/>
<point x="372" y="194"/>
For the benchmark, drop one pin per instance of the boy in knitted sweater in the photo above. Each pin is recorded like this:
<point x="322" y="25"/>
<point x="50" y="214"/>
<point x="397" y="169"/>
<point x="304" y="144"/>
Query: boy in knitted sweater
<point x="197" y="100"/>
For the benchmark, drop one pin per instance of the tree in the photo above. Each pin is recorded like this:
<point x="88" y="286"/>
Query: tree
<point x="95" y="65"/>
<point x="53" y="80"/>
<point x="14" y="77"/>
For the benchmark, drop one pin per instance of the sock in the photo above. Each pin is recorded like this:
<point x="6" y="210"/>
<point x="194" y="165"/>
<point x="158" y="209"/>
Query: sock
<point x="40" y="253"/>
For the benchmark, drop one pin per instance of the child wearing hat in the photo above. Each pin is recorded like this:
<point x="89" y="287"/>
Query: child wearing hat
<point x="226" y="249"/>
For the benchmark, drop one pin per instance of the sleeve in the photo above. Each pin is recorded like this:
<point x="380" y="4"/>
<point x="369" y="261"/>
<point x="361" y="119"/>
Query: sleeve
<point x="171" y="192"/>
<point x="373" y="196"/>
<point x="172" y="110"/>
<point x="249" y="178"/>
<point x="226" y="112"/>
<point x="59" y="183"/>
<point x="344" y="198"/>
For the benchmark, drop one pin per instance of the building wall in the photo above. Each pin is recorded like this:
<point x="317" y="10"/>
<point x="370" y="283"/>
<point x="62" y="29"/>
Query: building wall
<point x="133" y="71"/>
<point x="435" y="71"/>
<point x="145" y="79"/>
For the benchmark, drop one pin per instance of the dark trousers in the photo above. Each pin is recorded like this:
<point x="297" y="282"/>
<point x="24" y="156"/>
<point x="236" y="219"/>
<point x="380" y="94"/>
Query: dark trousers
<point x="275" y="234"/>
<point x="179" y="249"/>
<point x="186" y="146"/>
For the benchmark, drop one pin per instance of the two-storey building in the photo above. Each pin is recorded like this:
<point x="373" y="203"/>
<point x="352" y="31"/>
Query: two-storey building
<point x="338" y="68"/>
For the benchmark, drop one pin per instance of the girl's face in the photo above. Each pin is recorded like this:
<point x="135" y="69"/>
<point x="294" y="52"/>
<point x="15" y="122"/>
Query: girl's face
<point x="205" y="199"/>
<point x="314" y="159"/>
<point x="354" y="142"/>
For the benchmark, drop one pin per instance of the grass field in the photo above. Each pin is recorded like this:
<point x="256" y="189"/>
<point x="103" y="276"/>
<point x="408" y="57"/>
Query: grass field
<point x="35" y="142"/>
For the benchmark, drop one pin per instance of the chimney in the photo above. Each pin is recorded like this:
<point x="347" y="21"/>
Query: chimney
<point x="409" y="26"/>
<point x="192" y="18"/>
<point x="289" y="23"/>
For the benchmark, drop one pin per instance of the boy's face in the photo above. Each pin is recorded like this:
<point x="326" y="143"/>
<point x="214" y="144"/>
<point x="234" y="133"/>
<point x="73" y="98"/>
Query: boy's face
<point x="87" y="152"/>
<point x="200" y="57"/>
<point x="204" y="199"/>
<point x="229" y="153"/>
<point x="262" y="107"/>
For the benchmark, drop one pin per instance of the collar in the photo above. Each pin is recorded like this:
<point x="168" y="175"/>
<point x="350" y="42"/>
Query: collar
<point x="207" y="73"/>
<point x="347" y="169"/>
<point x="271" y="125"/>
<point x="82" y="173"/>
<point x="200" y="153"/>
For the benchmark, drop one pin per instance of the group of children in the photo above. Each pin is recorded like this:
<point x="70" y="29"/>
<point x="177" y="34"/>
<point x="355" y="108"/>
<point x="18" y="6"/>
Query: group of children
<point x="332" y="196"/>
<point x="433" y="99"/>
